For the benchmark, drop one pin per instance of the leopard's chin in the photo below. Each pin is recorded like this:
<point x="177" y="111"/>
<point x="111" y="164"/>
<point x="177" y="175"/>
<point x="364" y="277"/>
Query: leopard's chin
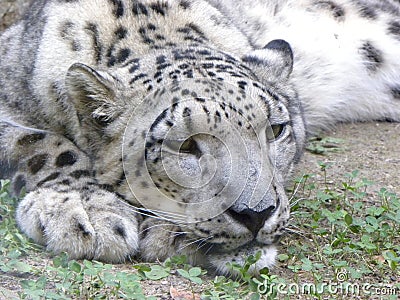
<point x="220" y="260"/>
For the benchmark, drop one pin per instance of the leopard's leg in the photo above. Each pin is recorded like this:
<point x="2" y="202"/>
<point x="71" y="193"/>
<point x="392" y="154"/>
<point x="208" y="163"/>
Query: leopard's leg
<point x="64" y="208"/>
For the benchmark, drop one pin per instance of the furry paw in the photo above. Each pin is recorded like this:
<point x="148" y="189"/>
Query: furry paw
<point x="91" y="224"/>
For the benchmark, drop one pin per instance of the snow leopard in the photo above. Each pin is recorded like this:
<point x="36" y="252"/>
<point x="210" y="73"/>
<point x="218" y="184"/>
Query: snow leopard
<point x="152" y="128"/>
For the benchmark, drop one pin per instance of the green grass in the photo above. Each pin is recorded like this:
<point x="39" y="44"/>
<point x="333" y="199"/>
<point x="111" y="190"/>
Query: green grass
<point x="342" y="235"/>
<point x="349" y="235"/>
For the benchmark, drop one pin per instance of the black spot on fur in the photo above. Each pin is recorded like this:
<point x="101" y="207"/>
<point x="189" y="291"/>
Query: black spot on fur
<point x="151" y="27"/>
<point x="145" y="37"/>
<point x="192" y="32"/>
<point x="48" y="178"/>
<point x="97" y="45"/>
<point x="137" y="77"/>
<point x="66" y="28"/>
<point x="67" y="158"/>
<point x="118" y="10"/>
<point x="36" y="163"/>
<point x="207" y="65"/>
<point x="82" y="229"/>
<point x="184" y="4"/>
<point x="394" y="29"/>
<point x="18" y="184"/>
<point x="121" y="32"/>
<point x="159" y="118"/>
<point x="158" y="74"/>
<point x="205" y="53"/>
<point x="107" y="187"/>
<point x="160" y="60"/>
<point x="31" y="139"/>
<point x="67" y="33"/>
<point x="80" y="173"/>
<point x="367" y="12"/>
<point x="76" y="46"/>
<point x="183" y="66"/>
<point x="396" y="92"/>
<point x="373" y="57"/>
<point x="123" y="55"/>
<point x="163" y="66"/>
<point x="159" y="7"/>
<point x="187" y="112"/>
<point x="139" y="8"/>
<point x="65" y="182"/>
<point x="242" y="84"/>
<point x="120" y="230"/>
<point x="337" y="11"/>
<point x="144" y="184"/>
<point x="121" y="179"/>
<point x="194" y="28"/>
<point x="135" y="65"/>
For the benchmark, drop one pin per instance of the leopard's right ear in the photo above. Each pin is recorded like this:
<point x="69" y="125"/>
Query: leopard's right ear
<point x="92" y="92"/>
<point x="274" y="62"/>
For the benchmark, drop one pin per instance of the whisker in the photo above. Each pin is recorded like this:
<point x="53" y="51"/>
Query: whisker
<point x="160" y="215"/>
<point x="297" y="201"/>
<point x="208" y="250"/>
<point x="163" y="228"/>
<point x="293" y="226"/>
<point x="203" y="243"/>
<point x="295" y="232"/>
<point x="195" y="241"/>
<point x="294" y="192"/>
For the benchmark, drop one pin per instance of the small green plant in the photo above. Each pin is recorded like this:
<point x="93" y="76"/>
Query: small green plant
<point x="319" y="145"/>
<point x="343" y="228"/>
<point x="193" y="274"/>
<point x="246" y="285"/>
<point x="66" y="279"/>
<point x="153" y="272"/>
<point x="350" y="228"/>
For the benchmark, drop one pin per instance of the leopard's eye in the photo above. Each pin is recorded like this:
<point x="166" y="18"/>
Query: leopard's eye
<point x="189" y="146"/>
<point x="275" y="131"/>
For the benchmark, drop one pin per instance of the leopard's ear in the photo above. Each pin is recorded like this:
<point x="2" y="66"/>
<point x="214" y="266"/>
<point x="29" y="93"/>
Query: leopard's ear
<point x="92" y="92"/>
<point x="272" y="63"/>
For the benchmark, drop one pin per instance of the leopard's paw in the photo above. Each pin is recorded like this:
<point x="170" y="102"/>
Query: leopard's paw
<point x="91" y="224"/>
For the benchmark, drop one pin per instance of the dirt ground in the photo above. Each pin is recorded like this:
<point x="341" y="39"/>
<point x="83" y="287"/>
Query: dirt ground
<point x="372" y="148"/>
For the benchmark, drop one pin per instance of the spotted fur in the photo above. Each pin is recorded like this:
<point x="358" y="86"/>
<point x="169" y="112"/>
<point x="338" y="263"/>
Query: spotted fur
<point x="74" y="74"/>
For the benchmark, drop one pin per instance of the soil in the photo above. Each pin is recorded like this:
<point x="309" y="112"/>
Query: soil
<point x="372" y="148"/>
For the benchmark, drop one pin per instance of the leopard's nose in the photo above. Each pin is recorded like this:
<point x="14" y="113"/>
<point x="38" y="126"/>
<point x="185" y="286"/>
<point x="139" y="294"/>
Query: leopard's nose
<point x="253" y="220"/>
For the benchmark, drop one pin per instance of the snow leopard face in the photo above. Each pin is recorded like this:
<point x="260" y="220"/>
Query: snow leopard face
<point x="206" y="152"/>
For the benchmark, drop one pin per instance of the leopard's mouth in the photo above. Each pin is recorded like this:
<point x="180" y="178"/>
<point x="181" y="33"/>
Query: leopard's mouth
<point x="210" y="248"/>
